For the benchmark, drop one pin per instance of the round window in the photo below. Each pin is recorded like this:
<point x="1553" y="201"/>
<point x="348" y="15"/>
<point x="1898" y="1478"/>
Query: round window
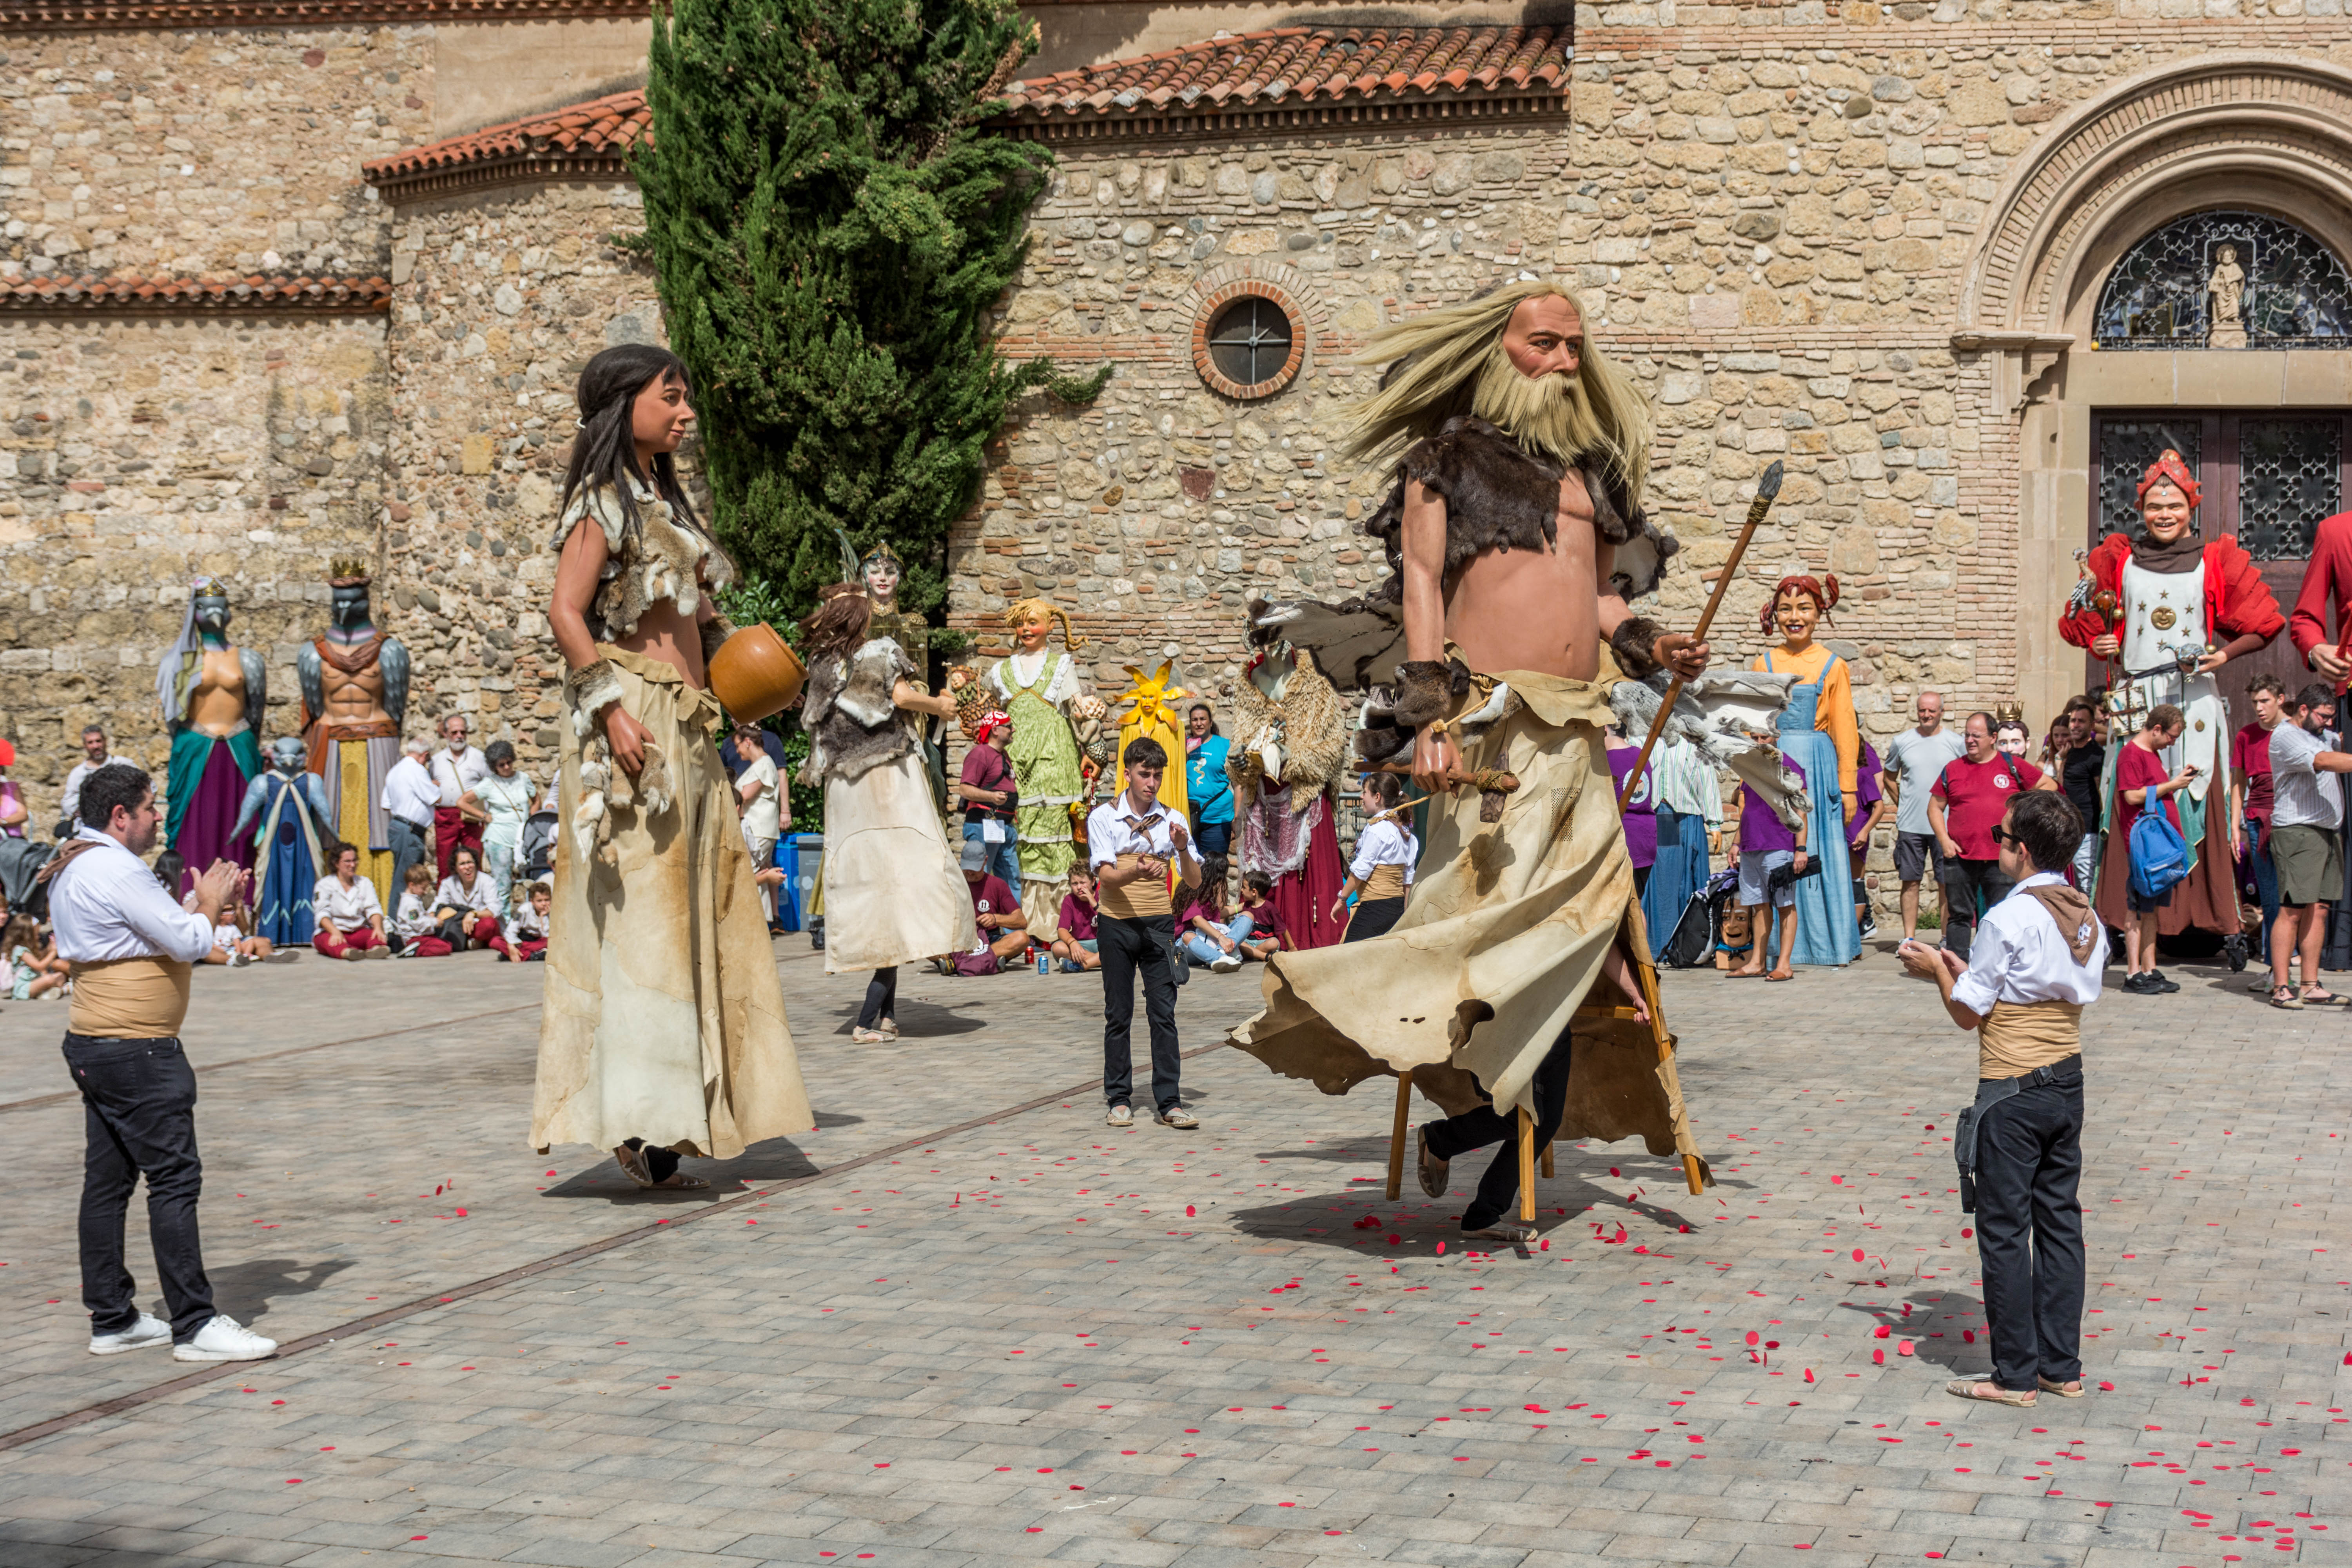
<point x="1248" y="341"/>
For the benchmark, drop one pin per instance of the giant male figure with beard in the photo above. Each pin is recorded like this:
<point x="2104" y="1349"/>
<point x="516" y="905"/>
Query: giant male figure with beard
<point x="1515" y="535"/>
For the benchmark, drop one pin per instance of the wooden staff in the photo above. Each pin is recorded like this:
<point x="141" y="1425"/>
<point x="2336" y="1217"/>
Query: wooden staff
<point x="1493" y="786"/>
<point x="1766" y="489"/>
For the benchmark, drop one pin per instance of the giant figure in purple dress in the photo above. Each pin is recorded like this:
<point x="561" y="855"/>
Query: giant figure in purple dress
<point x="211" y="695"/>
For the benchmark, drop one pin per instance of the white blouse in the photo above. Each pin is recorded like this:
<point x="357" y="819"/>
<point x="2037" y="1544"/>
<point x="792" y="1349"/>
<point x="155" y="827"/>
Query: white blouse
<point x="1020" y="668"/>
<point x="452" y="894"/>
<point x="1384" y="843"/>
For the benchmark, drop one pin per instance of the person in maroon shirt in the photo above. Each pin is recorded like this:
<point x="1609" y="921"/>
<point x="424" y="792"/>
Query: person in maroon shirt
<point x="1266" y="930"/>
<point x="2141" y="782"/>
<point x="1970" y="796"/>
<point x="2250" y="795"/>
<point x="1073" y="941"/>
<point x="996" y="910"/>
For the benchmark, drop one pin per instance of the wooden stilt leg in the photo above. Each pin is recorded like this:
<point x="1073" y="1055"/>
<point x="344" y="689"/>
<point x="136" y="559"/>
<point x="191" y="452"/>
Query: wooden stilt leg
<point x="1527" y="1165"/>
<point x="1546" y="1162"/>
<point x="1645" y="975"/>
<point x="1396" y="1137"/>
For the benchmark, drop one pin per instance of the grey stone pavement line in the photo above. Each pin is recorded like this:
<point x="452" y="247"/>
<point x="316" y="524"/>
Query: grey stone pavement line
<point x="1048" y="1341"/>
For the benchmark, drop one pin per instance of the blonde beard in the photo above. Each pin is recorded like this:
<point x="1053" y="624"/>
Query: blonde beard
<point x="1547" y="413"/>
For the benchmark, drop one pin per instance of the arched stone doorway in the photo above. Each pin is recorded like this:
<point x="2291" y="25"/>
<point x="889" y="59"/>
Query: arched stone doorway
<point x="2259" y="134"/>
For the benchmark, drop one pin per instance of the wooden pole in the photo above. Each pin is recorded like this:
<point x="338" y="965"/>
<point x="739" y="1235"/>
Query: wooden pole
<point x="1646" y="974"/>
<point x="1396" y="1137"/>
<point x="1527" y="1165"/>
<point x="1766" y="489"/>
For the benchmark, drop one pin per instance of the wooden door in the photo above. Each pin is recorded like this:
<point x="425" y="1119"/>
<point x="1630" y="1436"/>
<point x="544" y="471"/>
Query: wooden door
<point x="2267" y="478"/>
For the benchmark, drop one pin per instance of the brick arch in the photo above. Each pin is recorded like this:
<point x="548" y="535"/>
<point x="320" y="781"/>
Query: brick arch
<point x="2129" y="159"/>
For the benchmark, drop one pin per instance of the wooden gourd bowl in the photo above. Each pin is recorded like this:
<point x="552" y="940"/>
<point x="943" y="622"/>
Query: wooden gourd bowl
<point x="754" y="675"/>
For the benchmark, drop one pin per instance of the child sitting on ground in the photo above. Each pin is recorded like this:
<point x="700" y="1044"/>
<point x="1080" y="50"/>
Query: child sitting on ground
<point x="30" y="971"/>
<point x="232" y="943"/>
<point x="1073" y="942"/>
<point x="525" y="937"/>
<point x="414" y="926"/>
<point x="1266" y="930"/>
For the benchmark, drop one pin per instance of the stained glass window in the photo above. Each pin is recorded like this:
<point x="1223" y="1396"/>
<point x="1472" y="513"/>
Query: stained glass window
<point x="2161" y="295"/>
<point x="2128" y="448"/>
<point x="2289" y="478"/>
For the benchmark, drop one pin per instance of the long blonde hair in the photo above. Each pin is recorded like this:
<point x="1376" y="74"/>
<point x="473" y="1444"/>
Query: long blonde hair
<point x="1450" y="361"/>
<point x="1021" y="609"/>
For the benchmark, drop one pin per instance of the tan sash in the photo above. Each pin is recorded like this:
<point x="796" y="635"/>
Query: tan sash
<point x="130" y="998"/>
<point x="2018" y="1036"/>
<point x="1146" y="898"/>
<point x="1385" y="882"/>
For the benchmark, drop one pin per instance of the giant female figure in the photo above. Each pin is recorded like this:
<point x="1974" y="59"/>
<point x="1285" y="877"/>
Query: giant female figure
<point x="664" y="1029"/>
<point x="1036" y="687"/>
<point x="1820" y="734"/>
<point x="2174" y="610"/>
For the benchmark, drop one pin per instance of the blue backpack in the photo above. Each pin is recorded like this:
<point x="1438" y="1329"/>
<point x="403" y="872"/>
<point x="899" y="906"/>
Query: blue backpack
<point x="2159" y="856"/>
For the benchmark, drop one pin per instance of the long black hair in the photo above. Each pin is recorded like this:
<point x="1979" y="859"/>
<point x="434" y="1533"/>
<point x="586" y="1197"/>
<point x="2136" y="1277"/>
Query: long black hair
<point x="605" y="451"/>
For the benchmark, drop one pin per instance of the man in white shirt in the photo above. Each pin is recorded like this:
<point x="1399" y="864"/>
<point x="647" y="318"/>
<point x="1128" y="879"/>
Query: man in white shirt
<point x="456" y="769"/>
<point x="2307" y="809"/>
<point x="2033" y="967"/>
<point x="1131" y="839"/>
<point x="350" y="918"/>
<point x="411" y="799"/>
<point x="1915" y="759"/>
<point x="131" y="946"/>
<point x="94" y="757"/>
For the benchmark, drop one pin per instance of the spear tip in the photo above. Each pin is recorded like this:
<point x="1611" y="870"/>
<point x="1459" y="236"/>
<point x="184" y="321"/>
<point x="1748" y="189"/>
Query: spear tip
<point x="1769" y="486"/>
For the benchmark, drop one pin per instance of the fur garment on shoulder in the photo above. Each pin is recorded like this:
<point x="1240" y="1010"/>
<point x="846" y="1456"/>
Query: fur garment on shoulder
<point x="661" y="557"/>
<point x="1499" y="496"/>
<point x="588" y="693"/>
<point x="853" y="720"/>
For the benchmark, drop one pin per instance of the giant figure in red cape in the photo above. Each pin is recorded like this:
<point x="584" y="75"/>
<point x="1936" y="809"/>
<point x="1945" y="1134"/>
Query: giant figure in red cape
<point x="2170" y="611"/>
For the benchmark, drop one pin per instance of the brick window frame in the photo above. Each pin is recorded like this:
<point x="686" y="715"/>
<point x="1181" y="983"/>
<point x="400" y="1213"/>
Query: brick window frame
<point x="1212" y="305"/>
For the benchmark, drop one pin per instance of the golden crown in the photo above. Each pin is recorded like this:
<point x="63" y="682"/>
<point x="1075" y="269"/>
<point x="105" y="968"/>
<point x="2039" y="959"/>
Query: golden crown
<point x="347" y="571"/>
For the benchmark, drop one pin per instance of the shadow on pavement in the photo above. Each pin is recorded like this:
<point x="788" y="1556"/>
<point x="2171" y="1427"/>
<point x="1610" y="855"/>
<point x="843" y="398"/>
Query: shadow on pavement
<point x="247" y="1290"/>
<point x="777" y="1160"/>
<point x="917" y="1021"/>
<point x="1945" y="1313"/>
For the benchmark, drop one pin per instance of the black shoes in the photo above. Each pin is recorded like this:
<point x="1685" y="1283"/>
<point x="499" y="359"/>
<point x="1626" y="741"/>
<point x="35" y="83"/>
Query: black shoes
<point x="2150" y="983"/>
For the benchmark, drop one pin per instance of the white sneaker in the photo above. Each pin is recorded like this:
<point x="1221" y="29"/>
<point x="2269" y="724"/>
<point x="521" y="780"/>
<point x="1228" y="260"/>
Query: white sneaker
<point x="225" y="1339"/>
<point x="1224" y="964"/>
<point x="146" y="1331"/>
<point x="1120" y="1116"/>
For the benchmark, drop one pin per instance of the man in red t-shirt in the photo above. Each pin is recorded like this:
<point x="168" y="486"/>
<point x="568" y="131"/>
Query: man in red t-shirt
<point x="1970" y="796"/>
<point x="2250" y="795"/>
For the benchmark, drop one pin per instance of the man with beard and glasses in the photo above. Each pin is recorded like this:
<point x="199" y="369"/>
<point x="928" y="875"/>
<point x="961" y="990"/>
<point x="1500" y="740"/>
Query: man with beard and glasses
<point x="1516" y="536"/>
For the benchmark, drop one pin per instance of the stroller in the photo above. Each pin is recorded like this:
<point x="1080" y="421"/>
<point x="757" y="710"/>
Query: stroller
<point x="1699" y="929"/>
<point x="535" y="855"/>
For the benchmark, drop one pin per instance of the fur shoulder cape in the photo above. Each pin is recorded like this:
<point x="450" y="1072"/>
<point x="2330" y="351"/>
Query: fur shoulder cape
<point x="1500" y="496"/>
<point x="853" y="723"/>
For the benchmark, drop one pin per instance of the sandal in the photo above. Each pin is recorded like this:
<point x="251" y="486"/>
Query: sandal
<point x="2285" y="996"/>
<point x="2073" y="1390"/>
<point x="864" y="1036"/>
<point x="633" y="1165"/>
<point x="1989" y="1393"/>
<point x="679" y="1182"/>
<point x="2322" y="998"/>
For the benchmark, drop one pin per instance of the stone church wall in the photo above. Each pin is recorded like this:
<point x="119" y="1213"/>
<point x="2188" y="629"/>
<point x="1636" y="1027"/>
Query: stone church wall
<point x="137" y="452"/>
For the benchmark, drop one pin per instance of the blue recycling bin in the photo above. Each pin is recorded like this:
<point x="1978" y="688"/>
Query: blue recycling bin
<point x="798" y="855"/>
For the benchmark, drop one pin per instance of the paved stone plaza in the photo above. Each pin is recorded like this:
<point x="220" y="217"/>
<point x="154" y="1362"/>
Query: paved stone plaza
<point x="966" y="1323"/>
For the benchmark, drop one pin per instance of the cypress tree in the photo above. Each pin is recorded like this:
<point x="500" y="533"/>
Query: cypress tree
<point x="830" y="227"/>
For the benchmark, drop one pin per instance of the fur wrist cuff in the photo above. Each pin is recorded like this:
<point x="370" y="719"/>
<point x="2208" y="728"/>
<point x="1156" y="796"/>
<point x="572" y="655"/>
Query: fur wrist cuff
<point x="589" y="691"/>
<point x="1424" y="692"/>
<point x="715" y="631"/>
<point x="1634" y="642"/>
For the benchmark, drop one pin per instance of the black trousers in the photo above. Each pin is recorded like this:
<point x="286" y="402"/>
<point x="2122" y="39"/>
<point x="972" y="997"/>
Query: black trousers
<point x="1499" y="1189"/>
<point x="1374" y="917"/>
<point x="1129" y="948"/>
<point x="881" y="998"/>
<point x="139" y="1115"/>
<point x="408" y="848"/>
<point x="2029" y="1167"/>
<point x="1963" y="880"/>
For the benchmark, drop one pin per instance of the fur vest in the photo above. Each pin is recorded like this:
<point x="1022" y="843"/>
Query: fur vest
<point x="661" y="556"/>
<point x="1498" y="496"/>
<point x="853" y="723"/>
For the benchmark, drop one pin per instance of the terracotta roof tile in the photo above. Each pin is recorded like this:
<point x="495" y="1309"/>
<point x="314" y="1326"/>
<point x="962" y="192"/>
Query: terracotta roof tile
<point x="585" y="137"/>
<point x="1305" y="64"/>
<point x="51" y="295"/>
